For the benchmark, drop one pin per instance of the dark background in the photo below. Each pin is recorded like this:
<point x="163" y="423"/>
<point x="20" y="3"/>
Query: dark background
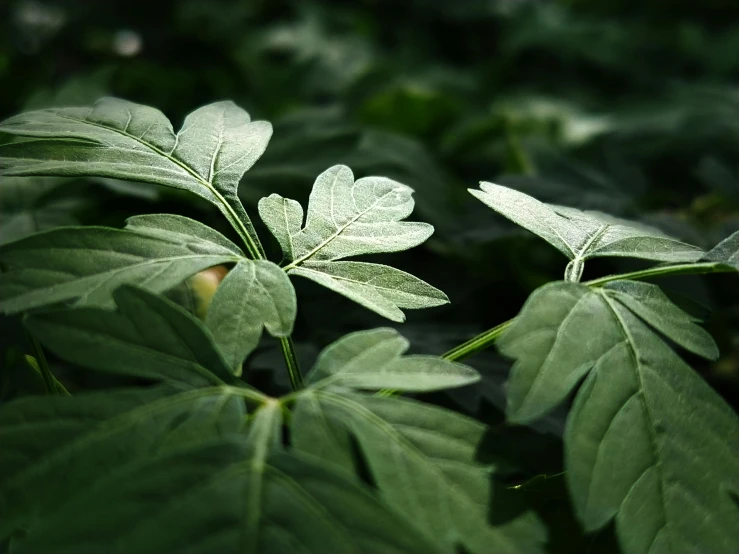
<point x="624" y="106"/>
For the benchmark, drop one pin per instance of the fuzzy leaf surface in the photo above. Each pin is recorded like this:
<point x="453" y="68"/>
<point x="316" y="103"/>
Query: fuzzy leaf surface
<point x="580" y="235"/>
<point x="349" y="218"/>
<point x="84" y="265"/>
<point x="115" y="138"/>
<point x="254" y="295"/>
<point x="648" y="443"/>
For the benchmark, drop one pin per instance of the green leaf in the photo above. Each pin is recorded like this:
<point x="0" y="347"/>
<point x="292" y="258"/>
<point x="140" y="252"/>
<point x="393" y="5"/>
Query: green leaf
<point x="348" y="218"/>
<point x="87" y="438"/>
<point x="422" y="459"/>
<point x="374" y="360"/>
<point x="149" y="336"/>
<point x="254" y="295"/>
<point x="380" y="288"/>
<point x="29" y="205"/>
<point x="115" y="138"/>
<point x="582" y="235"/>
<point x="726" y="251"/>
<point x="137" y="464"/>
<point x="84" y="265"/>
<point x="647" y="442"/>
<point x="345" y="218"/>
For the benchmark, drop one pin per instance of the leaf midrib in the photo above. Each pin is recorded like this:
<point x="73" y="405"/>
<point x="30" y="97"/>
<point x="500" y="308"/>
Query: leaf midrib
<point x="334" y="235"/>
<point x="647" y="410"/>
<point x="231" y="214"/>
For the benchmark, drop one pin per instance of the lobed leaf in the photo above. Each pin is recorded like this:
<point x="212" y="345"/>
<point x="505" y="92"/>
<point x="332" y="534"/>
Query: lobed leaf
<point x="374" y="360"/>
<point x="253" y="295"/>
<point x="648" y="443"/>
<point x="139" y="463"/>
<point x="348" y="218"/>
<point x="84" y="265"/>
<point x="582" y="235"/>
<point x="115" y="138"/>
<point x="422" y="459"/>
<point x="149" y="336"/>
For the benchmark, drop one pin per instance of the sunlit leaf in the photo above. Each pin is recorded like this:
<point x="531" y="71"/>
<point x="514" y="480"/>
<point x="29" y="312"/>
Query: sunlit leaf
<point x="348" y="218"/>
<point x="582" y="235"/>
<point x="253" y="295"/>
<point x="115" y="138"/>
<point x="86" y="264"/>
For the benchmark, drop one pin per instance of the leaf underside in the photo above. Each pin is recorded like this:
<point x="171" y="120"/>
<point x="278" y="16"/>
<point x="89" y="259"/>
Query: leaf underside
<point x="115" y="138"/>
<point x="581" y="235"/>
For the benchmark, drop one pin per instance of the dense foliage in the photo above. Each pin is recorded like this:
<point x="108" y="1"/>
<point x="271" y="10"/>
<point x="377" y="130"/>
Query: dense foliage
<point x="193" y="361"/>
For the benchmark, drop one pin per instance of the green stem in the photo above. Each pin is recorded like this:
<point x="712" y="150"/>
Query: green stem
<point x="698" y="268"/>
<point x="475" y="344"/>
<point x="291" y="360"/>
<point x="485" y="339"/>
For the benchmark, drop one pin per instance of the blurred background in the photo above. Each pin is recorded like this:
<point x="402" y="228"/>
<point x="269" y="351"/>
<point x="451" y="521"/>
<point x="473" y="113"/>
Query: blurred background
<point x="625" y="106"/>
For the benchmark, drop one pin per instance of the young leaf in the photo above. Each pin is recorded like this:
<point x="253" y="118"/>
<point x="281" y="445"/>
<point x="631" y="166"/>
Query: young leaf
<point x="253" y="295"/>
<point x="115" y="138"/>
<point x="348" y="218"/>
<point x="647" y="441"/>
<point x="137" y="464"/>
<point x="374" y="360"/>
<point x="86" y="264"/>
<point x="422" y="459"/>
<point x="582" y="235"/>
<point x="149" y="336"/>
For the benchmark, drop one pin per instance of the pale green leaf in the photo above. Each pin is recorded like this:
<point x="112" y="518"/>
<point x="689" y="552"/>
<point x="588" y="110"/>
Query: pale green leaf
<point x="345" y="218"/>
<point x="582" y="235"/>
<point x="648" y="442"/>
<point x="254" y="295"/>
<point x="84" y="265"/>
<point x="149" y="336"/>
<point x="380" y="288"/>
<point x="138" y="464"/>
<point x="115" y="138"/>
<point x="348" y="218"/>
<point x="374" y="360"/>
<point x="422" y="459"/>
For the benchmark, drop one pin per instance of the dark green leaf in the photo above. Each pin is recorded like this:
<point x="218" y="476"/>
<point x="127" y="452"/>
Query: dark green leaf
<point x="149" y="336"/>
<point x="115" y="138"/>
<point x="647" y="442"/>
